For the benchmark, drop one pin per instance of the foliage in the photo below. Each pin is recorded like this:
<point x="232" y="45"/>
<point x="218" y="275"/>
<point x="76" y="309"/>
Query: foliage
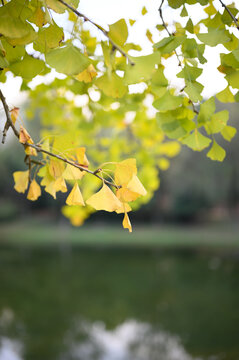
<point x="94" y="108"/>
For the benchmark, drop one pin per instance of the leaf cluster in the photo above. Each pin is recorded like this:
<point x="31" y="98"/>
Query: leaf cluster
<point x="114" y="101"/>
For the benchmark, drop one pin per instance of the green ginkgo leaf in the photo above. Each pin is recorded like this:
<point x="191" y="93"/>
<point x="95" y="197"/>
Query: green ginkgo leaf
<point x="216" y="152"/>
<point x="196" y="141"/>
<point x="67" y="60"/>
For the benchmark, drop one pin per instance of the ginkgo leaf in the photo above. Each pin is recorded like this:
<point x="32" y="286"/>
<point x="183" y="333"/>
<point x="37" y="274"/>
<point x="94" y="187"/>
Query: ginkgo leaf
<point x="144" y="10"/>
<point x="50" y="188"/>
<point x="118" y="32"/>
<point x="14" y="114"/>
<point x="67" y="60"/>
<point x="126" y="223"/>
<point x="76" y="214"/>
<point x="225" y="96"/>
<point x="112" y="85"/>
<point x="196" y="141"/>
<point x="228" y="132"/>
<point x="81" y="157"/>
<point x="56" y="168"/>
<point x="75" y="196"/>
<point x="21" y="179"/>
<point x="136" y="186"/>
<point x="104" y="199"/>
<point x="124" y="171"/>
<point x="87" y="75"/>
<point x="125" y="207"/>
<point x="72" y="173"/>
<point x="30" y="151"/>
<point x="38" y="17"/>
<point x="216" y="152"/>
<point x="126" y="195"/>
<point x="34" y="191"/>
<point x="24" y="137"/>
<point x="60" y="185"/>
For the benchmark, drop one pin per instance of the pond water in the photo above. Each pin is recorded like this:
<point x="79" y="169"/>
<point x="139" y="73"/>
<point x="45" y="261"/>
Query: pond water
<point x="79" y="304"/>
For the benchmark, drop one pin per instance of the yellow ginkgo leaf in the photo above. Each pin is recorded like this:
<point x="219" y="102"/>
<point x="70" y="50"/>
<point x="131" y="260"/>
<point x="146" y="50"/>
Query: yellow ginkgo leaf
<point x="124" y="208"/>
<point x="24" y="137"/>
<point x="81" y="157"/>
<point x="14" y="114"/>
<point x="104" y="199"/>
<point x="34" y="191"/>
<point x="124" y="171"/>
<point x="45" y="146"/>
<point x="72" y="173"/>
<point x="87" y="75"/>
<point x="56" y="168"/>
<point x="30" y="151"/>
<point x="136" y="186"/>
<point x="21" y="179"/>
<point x="75" y="196"/>
<point x="126" y="195"/>
<point x="60" y="185"/>
<point x="126" y="223"/>
<point x="50" y="188"/>
<point x="76" y="214"/>
<point x="47" y="178"/>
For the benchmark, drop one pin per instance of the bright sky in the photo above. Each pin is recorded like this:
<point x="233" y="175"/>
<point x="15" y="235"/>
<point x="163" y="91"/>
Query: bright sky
<point x="108" y="11"/>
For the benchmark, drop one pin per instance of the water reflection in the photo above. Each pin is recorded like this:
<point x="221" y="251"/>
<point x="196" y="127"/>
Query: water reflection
<point x="10" y="349"/>
<point x="117" y="305"/>
<point x="131" y="340"/>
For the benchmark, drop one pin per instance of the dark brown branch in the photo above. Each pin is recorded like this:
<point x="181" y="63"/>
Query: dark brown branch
<point x="161" y="16"/>
<point x="9" y="122"/>
<point x="3" y="3"/>
<point x="230" y="13"/>
<point x="106" y="33"/>
<point x="40" y="150"/>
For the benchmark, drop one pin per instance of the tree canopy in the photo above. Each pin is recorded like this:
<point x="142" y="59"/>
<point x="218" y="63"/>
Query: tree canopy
<point x="110" y="117"/>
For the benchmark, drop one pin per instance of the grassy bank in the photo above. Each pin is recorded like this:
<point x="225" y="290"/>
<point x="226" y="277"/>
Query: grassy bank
<point x="33" y="232"/>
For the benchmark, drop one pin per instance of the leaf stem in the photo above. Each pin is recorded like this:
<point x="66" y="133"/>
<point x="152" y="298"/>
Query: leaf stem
<point x="105" y="32"/>
<point x="166" y="28"/>
<point x="230" y="13"/>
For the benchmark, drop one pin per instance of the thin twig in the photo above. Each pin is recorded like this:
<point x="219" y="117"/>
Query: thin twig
<point x="230" y="13"/>
<point x="105" y="32"/>
<point x="39" y="149"/>
<point x="82" y="168"/>
<point x="161" y="15"/>
<point x="9" y="122"/>
<point x="166" y="28"/>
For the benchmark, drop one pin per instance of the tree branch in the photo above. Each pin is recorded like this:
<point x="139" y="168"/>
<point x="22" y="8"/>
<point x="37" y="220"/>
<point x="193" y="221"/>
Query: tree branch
<point x="161" y="15"/>
<point x="82" y="168"/>
<point x="38" y="148"/>
<point x="230" y="13"/>
<point x="106" y="33"/>
<point x="9" y="122"/>
<point x="166" y="28"/>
